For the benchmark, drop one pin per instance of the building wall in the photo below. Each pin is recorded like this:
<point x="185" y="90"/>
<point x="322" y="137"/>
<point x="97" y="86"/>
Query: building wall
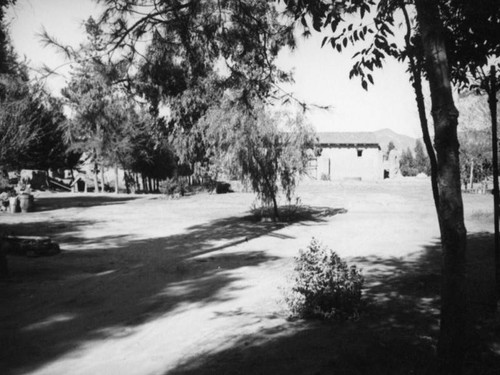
<point x="341" y="163"/>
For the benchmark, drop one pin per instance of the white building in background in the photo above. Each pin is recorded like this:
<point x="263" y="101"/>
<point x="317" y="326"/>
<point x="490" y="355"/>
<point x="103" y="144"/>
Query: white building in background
<point x="349" y="155"/>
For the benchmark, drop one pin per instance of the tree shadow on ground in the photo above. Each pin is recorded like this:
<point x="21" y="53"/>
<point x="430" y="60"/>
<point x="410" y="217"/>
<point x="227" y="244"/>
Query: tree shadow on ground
<point x="50" y="203"/>
<point x="295" y="213"/>
<point x="52" y="305"/>
<point x="395" y="334"/>
<point x="63" y="231"/>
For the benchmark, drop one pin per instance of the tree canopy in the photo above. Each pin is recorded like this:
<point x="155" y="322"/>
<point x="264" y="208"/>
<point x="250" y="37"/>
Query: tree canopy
<point x="188" y="54"/>
<point x="271" y="152"/>
<point x="31" y="120"/>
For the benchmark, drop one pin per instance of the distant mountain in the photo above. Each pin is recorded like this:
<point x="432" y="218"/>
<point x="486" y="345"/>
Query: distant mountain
<point x="402" y="142"/>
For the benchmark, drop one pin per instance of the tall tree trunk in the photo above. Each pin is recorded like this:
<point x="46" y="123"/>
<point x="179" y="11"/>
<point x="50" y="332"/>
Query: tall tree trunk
<point x="126" y="177"/>
<point x="102" y="179"/>
<point x="144" y="184"/>
<point x="414" y="62"/>
<point x="492" y="101"/>
<point x="269" y="184"/>
<point x="116" y="178"/>
<point x="453" y="328"/>
<point x="471" y="175"/>
<point x="96" y="182"/>
<point x="275" y="209"/>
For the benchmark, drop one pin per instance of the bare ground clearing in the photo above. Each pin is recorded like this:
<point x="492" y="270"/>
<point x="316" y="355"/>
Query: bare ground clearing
<point x="146" y="285"/>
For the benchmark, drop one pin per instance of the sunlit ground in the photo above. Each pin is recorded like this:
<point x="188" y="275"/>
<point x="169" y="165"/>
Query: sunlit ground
<point x="147" y="285"/>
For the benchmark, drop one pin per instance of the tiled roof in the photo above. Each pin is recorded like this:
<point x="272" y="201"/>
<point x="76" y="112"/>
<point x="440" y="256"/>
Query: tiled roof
<point x="347" y="138"/>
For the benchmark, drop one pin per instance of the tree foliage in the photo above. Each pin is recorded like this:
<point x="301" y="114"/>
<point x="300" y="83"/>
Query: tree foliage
<point x="413" y="163"/>
<point x="195" y="51"/>
<point x="149" y="151"/>
<point x="475" y="138"/>
<point x="421" y="159"/>
<point x="407" y="163"/>
<point x="31" y="121"/>
<point x="6" y="55"/>
<point x="97" y="108"/>
<point x="269" y="151"/>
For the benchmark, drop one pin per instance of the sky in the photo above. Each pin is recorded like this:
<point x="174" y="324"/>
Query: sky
<point x="321" y="75"/>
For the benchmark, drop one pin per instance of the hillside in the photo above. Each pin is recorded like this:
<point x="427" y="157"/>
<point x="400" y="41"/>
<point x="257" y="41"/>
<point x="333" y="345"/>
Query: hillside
<point x="402" y="142"/>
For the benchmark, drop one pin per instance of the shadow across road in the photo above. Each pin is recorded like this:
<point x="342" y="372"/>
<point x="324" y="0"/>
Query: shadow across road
<point x="396" y="332"/>
<point x="51" y="305"/>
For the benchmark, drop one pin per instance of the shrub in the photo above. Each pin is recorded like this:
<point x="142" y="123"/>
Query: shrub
<point x="4" y="182"/>
<point x="222" y="187"/>
<point x="172" y="186"/>
<point x="324" y="285"/>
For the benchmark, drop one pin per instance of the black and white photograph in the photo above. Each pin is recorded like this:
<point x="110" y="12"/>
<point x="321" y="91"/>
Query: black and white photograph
<point x="249" y="187"/>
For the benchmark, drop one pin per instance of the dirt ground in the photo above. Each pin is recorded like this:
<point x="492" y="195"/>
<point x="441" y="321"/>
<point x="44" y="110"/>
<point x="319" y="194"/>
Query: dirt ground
<point x="147" y="285"/>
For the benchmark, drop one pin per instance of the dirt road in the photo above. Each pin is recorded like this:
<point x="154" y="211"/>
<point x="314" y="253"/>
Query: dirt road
<point x="147" y="285"/>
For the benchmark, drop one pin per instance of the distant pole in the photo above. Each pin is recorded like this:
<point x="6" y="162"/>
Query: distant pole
<point x="492" y="100"/>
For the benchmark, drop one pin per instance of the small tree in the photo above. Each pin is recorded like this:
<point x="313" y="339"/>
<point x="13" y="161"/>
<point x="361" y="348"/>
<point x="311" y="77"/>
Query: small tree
<point x="407" y="163"/>
<point x="271" y="157"/>
<point x="421" y="161"/>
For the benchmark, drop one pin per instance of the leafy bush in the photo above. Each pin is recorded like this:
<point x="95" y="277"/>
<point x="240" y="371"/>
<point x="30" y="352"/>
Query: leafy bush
<point x="324" y="285"/>
<point x="173" y="186"/>
<point x="222" y="187"/>
<point x="4" y="182"/>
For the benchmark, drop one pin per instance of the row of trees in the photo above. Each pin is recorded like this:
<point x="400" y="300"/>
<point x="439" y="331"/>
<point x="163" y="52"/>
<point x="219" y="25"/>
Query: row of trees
<point x="106" y="126"/>
<point x="159" y="107"/>
<point x="154" y="112"/>
<point x="475" y="155"/>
